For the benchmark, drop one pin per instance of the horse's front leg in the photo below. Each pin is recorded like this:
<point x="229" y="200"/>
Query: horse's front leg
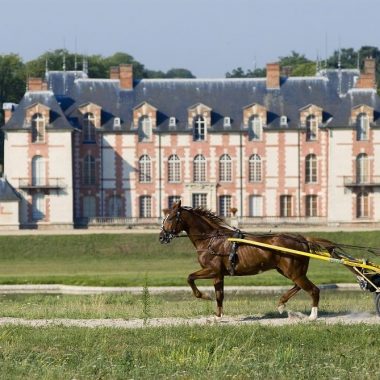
<point x="219" y="293"/>
<point x="201" y="274"/>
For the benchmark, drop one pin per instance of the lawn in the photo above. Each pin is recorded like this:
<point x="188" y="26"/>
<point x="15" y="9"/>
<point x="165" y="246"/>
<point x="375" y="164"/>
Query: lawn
<point x="125" y="260"/>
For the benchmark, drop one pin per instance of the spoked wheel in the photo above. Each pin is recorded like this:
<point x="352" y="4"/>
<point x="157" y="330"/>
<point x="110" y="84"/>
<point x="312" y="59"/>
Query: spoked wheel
<point x="377" y="303"/>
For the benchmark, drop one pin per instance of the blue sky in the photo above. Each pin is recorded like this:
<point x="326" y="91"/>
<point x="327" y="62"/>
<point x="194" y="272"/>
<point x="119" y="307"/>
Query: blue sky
<point x="208" y="37"/>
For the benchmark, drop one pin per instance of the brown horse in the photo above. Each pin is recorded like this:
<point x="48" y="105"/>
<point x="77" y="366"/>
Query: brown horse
<point x="209" y="234"/>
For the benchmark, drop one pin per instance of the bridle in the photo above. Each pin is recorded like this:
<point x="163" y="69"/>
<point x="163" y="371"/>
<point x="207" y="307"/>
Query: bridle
<point x="167" y="236"/>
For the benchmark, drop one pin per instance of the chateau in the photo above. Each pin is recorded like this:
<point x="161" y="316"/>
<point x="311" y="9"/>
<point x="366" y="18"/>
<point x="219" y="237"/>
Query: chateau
<point x="118" y="151"/>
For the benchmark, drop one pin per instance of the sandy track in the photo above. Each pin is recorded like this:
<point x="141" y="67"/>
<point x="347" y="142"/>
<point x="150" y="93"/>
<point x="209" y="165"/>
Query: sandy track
<point x="292" y="319"/>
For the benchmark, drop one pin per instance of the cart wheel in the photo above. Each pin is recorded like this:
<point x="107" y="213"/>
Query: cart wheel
<point x="377" y="303"/>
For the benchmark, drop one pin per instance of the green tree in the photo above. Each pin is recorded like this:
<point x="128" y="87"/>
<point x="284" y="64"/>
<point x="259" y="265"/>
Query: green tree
<point x="179" y="73"/>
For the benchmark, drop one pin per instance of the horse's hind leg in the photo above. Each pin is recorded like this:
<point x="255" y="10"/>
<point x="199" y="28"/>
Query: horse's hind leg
<point x="286" y="297"/>
<point x="219" y="294"/>
<point x="305" y="284"/>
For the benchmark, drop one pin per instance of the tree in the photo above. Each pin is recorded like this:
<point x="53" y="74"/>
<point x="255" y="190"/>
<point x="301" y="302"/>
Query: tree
<point x="179" y="73"/>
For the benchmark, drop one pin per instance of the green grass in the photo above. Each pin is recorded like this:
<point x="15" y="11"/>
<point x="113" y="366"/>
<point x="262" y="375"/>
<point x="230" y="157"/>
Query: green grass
<point x="210" y="352"/>
<point x="123" y="260"/>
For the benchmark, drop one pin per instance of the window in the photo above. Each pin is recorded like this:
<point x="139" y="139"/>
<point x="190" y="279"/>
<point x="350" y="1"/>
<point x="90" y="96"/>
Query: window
<point x="199" y="168"/>
<point x="225" y="168"/>
<point x="38" y="206"/>
<point x="285" y="205"/>
<point x="227" y="122"/>
<point x="311" y="168"/>
<point x="283" y="121"/>
<point x="145" y="206"/>
<point x="114" y="206"/>
<point x="255" y="205"/>
<point x="362" y="205"/>
<point x="362" y="127"/>
<point x="311" y="128"/>
<point x="116" y="122"/>
<point x="362" y="168"/>
<point x="173" y="199"/>
<point x="89" y="206"/>
<point x="89" y="128"/>
<point x="38" y="128"/>
<point x="89" y="177"/>
<point x="199" y="200"/>
<point x="225" y="205"/>
<point x="38" y="171"/>
<point x="255" y="128"/>
<point x="254" y="167"/>
<point x="172" y="122"/>
<point x="145" y="169"/>
<point x="174" y="169"/>
<point x="145" y="129"/>
<point x="311" y="205"/>
<point x="199" y="132"/>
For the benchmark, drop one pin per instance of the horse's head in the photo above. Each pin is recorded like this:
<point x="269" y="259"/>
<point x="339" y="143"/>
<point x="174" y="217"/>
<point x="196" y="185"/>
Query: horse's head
<point x="172" y="224"/>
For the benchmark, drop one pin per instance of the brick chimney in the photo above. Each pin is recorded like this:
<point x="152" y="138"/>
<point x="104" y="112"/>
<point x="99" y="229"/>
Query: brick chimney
<point x="114" y="72"/>
<point x="126" y="77"/>
<point x="367" y="79"/>
<point x="273" y="76"/>
<point x="8" y="109"/>
<point x="36" y="84"/>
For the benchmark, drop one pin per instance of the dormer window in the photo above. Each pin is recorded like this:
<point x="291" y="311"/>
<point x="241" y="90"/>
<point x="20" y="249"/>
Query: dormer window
<point x="362" y="127"/>
<point x="116" y="122"/>
<point x="199" y="129"/>
<point x="145" y="129"/>
<point x="283" y="121"/>
<point x="311" y="128"/>
<point x="38" y="128"/>
<point x="227" y="122"/>
<point x="172" y="122"/>
<point x="255" y="128"/>
<point x="89" y="127"/>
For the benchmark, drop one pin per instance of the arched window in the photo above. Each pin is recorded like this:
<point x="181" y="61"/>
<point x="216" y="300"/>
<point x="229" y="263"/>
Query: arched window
<point x="362" y="205"/>
<point x="254" y="168"/>
<point x="255" y="128"/>
<point x="38" y="128"/>
<point x="89" y="173"/>
<point x="362" y="127"/>
<point x="225" y="168"/>
<point x="311" y="128"/>
<point x="199" y="129"/>
<point x="174" y="169"/>
<point x="145" y="206"/>
<point x="145" y="129"/>
<point x="362" y="169"/>
<point x="145" y="169"/>
<point x="115" y="206"/>
<point x="89" y="206"/>
<point x="311" y="168"/>
<point x="38" y="171"/>
<point x="199" y="168"/>
<point x="89" y="127"/>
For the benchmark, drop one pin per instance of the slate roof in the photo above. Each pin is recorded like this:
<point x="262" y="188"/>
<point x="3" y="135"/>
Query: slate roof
<point x="7" y="192"/>
<point x="330" y="89"/>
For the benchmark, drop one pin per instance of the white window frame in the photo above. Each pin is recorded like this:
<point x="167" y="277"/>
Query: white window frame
<point x="174" y="169"/>
<point x="286" y="205"/>
<point x="225" y="202"/>
<point x="255" y="168"/>
<point x="199" y="200"/>
<point x="311" y="168"/>
<point x="256" y="127"/>
<point x="255" y="205"/>
<point x="225" y="168"/>
<point x="145" y="169"/>
<point x="145" y="129"/>
<point x="311" y="128"/>
<point x="38" y="128"/>
<point x="89" y="127"/>
<point x="145" y="206"/>
<point x="199" y="129"/>
<point x="199" y="168"/>
<point x="362" y="126"/>
<point x="311" y="205"/>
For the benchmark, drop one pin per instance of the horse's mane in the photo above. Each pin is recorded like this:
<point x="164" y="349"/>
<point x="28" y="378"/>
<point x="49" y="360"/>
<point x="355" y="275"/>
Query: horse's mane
<point x="208" y="214"/>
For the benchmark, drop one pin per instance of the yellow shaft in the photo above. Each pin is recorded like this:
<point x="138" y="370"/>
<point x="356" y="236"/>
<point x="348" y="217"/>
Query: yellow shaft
<point x="322" y="256"/>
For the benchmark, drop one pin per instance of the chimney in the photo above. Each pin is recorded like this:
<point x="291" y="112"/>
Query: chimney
<point x="126" y="77"/>
<point x="36" y="84"/>
<point x="273" y="76"/>
<point x="114" y="72"/>
<point x="368" y="78"/>
<point x="8" y="109"/>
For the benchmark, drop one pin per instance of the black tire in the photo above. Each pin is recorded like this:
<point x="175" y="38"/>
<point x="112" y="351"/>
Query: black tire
<point x="377" y="303"/>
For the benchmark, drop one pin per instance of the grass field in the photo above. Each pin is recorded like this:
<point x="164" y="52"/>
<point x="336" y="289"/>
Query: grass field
<point x="117" y="259"/>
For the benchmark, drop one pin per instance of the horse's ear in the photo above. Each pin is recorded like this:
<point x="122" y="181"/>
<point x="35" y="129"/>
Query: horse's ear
<point x="177" y="205"/>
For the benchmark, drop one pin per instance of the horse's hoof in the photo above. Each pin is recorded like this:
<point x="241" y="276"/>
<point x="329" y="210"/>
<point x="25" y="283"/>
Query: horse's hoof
<point x="314" y="314"/>
<point x="218" y="318"/>
<point x="281" y="308"/>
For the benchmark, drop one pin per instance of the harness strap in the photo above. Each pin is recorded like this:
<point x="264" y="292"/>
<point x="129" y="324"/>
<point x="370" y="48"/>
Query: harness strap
<point x="233" y="256"/>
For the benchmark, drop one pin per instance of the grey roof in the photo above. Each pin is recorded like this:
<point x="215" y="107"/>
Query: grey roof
<point x="226" y="97"/>
<point x="47" y="98"/>
<point x="7" y="192"/>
